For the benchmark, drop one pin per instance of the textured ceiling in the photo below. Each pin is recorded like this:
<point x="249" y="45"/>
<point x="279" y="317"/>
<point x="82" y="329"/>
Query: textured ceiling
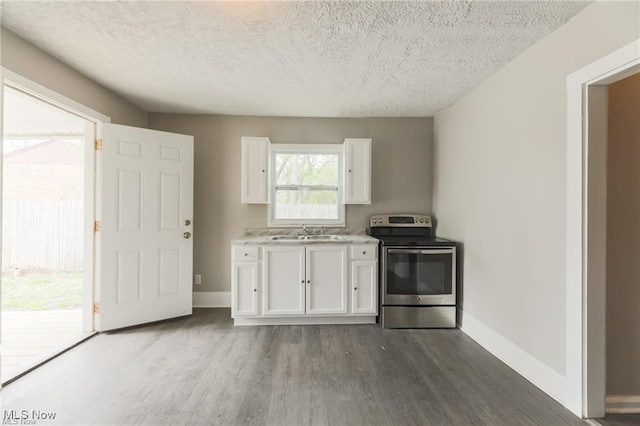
<point x="312" y="59"/>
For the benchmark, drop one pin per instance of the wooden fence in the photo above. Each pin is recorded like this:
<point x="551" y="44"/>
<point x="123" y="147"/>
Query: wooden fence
<point x="42" y="234"/>
<point x="316" y="211"/>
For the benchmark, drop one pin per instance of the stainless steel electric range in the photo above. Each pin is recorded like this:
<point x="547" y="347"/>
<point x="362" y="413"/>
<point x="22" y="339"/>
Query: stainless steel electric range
<point x="417" y="272"/>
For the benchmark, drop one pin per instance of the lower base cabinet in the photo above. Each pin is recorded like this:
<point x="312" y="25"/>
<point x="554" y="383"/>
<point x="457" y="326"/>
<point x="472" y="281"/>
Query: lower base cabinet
<point x="246" y="279"/>
<point x="364" y="287"/>
<point x="289" y="284"/>
<point x="284" y="280"/>
<point x="305" y="280"/>
<point x="327" y="274"/>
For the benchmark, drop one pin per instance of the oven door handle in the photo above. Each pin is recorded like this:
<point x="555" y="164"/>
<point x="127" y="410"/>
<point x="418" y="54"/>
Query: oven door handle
<point x="440" y="251"/>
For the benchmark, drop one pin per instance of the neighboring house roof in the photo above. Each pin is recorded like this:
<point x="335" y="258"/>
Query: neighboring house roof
<point x="47" y="170"/>
<point x="56" y="152"/>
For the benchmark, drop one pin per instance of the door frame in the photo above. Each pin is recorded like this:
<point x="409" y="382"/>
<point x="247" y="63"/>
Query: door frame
<point x="585" y="331"/>
<point x="92" y="169"/>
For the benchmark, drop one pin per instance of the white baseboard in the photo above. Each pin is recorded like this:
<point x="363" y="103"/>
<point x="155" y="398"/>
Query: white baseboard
<point x="546" y="378"/>
<point x="211" y="299"/>
<point x="306" y="320"/>
<point x="622" y="404"/>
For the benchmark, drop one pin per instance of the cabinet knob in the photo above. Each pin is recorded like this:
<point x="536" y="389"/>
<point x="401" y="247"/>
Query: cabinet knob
<point x="246" y="254"/>
<point x="364" y="252"/>
<point x="255" y="289"/>
<point x="308" y="281"/>
<point x="302" y="281"/>
<point x="262" y="170"/>
<point x="355" y="288"/>
<point x="349" y="170"/>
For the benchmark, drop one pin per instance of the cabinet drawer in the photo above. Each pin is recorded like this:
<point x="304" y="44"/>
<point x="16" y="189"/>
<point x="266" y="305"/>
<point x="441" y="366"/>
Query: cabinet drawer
<point x="364" y="252"/>
<point x="246" y="253"/>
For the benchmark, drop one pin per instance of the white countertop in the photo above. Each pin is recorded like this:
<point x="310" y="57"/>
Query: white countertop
<point x="264" y="240"/>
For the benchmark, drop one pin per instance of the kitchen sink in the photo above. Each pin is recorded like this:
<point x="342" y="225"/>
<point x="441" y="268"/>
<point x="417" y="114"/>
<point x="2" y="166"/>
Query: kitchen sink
<point x="323" y="238"/>
<point x="305" y="238"/>
<point x="284" y="237"/>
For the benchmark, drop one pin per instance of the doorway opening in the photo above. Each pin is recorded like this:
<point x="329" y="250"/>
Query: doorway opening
<point x="46" y="287"/>
<point x="587" y="230"/>
<point x="619" y="119"/>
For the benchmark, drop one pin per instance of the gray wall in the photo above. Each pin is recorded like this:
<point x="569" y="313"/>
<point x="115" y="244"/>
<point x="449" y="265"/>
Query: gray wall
<point x="22" y="57"/>
<point x="401" y="174"/>
<point x="500" y="188"/>
<point x="623" y="238"/>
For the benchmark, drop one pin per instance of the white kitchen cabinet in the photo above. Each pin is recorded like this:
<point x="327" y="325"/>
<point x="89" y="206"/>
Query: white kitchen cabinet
<point x="364" y="287"/>
<point x="326" y="274"/>
<point x="245" y="279"/>
<point x="254" y="170"/>
<point x="246" y="282"/>
<point x="364" y="279"/>
<point x="284" y="280"/>
<point x="305" y="280"/>
<point x="358" y="171"/>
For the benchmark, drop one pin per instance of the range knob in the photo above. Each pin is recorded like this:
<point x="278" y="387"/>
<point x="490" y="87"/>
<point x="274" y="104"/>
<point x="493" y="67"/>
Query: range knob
<point x="421" y="220"/>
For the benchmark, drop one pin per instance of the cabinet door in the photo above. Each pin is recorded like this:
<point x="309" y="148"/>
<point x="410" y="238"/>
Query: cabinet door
<point x="364" y="287"/>
<point x="284" y="281"/>
<point x="254" y="170"/>
<point x="245" y="289"/>
<point x="326" y="274"/>
<point x="358" y="171"/>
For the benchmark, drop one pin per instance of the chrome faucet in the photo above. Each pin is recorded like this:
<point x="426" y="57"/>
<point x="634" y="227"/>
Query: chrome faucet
<point x="304" y="230"/>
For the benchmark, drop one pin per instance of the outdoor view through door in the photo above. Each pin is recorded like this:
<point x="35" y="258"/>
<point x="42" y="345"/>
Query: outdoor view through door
<point x="42" y="230"/>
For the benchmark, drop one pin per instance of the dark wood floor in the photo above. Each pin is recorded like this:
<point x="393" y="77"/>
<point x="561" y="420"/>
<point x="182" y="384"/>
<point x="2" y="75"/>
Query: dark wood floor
<point x="202" y="370"/>
<point x="620" y="420"/>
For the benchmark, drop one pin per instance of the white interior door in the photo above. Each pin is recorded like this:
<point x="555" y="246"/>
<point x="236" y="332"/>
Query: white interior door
<point x="146" y="250"/>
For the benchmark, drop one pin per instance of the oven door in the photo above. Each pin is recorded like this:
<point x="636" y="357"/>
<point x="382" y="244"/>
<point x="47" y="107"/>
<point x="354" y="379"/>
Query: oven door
<point x="419" y="276"/>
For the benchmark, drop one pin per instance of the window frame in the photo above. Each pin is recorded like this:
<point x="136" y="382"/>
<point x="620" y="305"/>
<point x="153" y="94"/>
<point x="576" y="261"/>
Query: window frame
<point x="327" y="149"/>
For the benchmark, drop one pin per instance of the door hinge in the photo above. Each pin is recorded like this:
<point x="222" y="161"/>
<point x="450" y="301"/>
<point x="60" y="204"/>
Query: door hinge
<point x="97" y="226"/>
<point x="96" y="308"/>
<point x="98" y="144"/>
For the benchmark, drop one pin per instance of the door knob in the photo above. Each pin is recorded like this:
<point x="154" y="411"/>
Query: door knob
<point x="186" y="235"/>
<point x="187" y="222"/>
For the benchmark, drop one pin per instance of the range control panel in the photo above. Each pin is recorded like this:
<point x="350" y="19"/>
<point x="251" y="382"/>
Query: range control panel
<point x="400" y="220"/>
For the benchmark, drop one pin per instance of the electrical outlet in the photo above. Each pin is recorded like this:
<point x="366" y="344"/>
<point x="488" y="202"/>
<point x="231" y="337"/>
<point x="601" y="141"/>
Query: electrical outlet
<point x="198" y="279"/>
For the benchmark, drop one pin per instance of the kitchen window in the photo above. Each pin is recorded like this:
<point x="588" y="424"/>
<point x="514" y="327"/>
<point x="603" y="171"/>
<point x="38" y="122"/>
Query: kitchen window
<point x="306" y="185"/>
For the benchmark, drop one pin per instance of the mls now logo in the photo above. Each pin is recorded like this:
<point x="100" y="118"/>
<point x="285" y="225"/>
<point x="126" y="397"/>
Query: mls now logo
<point x="26" y="417"/>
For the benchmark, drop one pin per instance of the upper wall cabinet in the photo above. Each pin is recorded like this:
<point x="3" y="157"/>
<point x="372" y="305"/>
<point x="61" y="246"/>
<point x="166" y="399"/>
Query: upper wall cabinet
<point x="358" y="171"/>
<point x="254" y="170"/>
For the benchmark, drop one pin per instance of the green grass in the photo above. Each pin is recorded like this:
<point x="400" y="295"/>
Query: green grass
<point x="42" y="291"/>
